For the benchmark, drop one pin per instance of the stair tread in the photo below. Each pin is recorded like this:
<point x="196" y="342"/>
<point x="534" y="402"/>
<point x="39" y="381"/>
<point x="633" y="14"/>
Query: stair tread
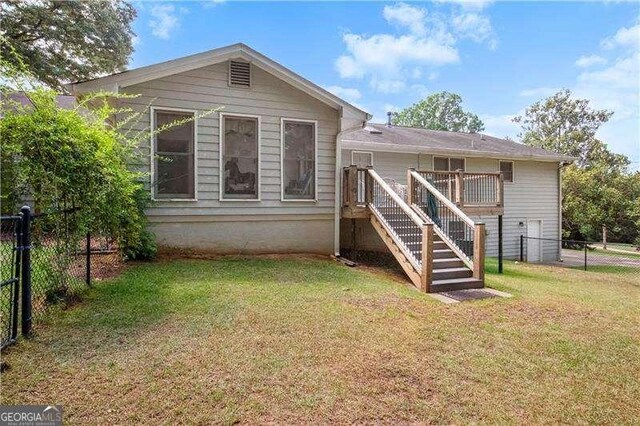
<point x="456" y="280"/>
<point x="447" y="259"/>
<point x="454" y="269"/>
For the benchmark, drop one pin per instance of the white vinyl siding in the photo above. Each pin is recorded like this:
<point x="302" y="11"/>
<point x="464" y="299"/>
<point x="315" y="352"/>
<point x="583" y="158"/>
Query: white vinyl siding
<point x="534" y="195"/>
<point x="270" y="98"/>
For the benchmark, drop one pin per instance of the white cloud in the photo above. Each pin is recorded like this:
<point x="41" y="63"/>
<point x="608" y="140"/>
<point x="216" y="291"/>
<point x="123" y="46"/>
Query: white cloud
<point x="589" y="61"/>
<point x="476" y="27"/>
<point x="388" y="86"/>
<point x="469" y="4"/>
<point x="625" y="37"/>
<point x="165" y="20"/>
<point x="212" y="3"/>
<point x="389" y="54"/>
<point x="426" y="41"/>
<point x="500" y="126"/>
<point x="347" y="93"/>
<point x="407" y="16"/>
<point x="539" y="92"/>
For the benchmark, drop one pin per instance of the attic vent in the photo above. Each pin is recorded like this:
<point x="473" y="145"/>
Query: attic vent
<point x="372" y="130"/>
<point x="239" y="74"/>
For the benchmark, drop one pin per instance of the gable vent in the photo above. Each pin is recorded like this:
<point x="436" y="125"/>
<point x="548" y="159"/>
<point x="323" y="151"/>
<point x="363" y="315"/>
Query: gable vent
<point x="239" y="74"/>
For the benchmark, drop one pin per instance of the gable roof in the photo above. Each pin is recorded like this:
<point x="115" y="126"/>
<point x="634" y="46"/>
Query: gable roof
<point x="379" y="137"/>
<point x="116" y="81"/>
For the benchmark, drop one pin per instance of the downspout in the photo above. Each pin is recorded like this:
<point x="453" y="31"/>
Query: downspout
<point x="338" y="185"/>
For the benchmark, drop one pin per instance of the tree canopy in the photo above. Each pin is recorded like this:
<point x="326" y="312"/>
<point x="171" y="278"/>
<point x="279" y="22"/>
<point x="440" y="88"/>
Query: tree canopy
<point x="63" y="41"/>
<point x="598" y="189"/>
<point x="439" y="111"/>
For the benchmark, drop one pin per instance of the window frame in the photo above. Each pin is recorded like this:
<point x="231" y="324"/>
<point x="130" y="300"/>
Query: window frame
<point x="152" y="151"/>
<point x="433" y="163"/>
<point x="361" y="152"/>
<point x="315" y="159"/>
<point x="513" y="171"/>
<point x="221" y="184"/>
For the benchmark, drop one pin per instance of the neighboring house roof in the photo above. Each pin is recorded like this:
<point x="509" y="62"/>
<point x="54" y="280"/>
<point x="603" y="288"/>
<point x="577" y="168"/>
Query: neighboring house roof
<point x="62" y="101"/>
<point x="379" y="137"/>
<point x="116" y="81"/>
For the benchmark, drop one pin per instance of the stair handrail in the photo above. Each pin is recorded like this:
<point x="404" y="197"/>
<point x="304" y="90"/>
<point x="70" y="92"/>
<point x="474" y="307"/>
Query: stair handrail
<point x="442" y="198"/>
<point x="401" y="203"/>
<point x="477" y="263"/>
<point x="423" y="264"/>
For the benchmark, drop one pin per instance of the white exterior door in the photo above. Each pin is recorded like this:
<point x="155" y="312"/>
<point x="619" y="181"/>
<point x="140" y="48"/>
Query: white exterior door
<point x="534" y="246"/>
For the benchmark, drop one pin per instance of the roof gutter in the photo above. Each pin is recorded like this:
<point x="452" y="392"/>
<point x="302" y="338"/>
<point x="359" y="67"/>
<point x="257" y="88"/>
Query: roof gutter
<point x="412" y="149"/>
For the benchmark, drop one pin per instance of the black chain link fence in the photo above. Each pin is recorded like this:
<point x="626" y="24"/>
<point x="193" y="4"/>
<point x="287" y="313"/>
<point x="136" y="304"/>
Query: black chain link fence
<point x="51" y="267"/>
<point x="590" y="256"/>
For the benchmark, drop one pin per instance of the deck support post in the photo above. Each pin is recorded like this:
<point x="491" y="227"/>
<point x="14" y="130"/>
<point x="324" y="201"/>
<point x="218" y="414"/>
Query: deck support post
<point x="500" y="250"/>
<point x="410" y="186"/>
<point x="460" y="188"/>
<point x="478" y="251"/>
<point x="352" y="188"/>
<point x="427" y="258"/>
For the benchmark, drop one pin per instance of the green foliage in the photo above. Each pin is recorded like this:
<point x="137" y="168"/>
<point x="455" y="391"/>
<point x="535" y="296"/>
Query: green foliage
<point x="598" y="190"/>
<point x="440" y="111"/>
<point x="68" y="159"/>
<point x="597" y="197"/>
<point x="68" y="40"/>
<point x="562" y="124"/>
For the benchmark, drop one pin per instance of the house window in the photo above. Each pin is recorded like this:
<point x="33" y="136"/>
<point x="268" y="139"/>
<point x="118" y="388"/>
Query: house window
<point x="298" y="160"/>
<point x="448" y="164"/>
<point x="362" y="159"/>
<point x="240" y="159"/>
<point x="506" y="167"/>
<point x="174" y="155"/>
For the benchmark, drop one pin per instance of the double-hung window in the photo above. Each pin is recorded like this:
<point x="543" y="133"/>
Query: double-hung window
<point x="299" y="159"/>
<point x="240" y="157"/>
<point x="173" y="155"/>
<point x="506" y="167"/>
<point x="445" y="164"/>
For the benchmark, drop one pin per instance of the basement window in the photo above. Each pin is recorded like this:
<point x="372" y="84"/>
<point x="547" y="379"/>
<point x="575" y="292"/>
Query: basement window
<point x="239" y="74"/>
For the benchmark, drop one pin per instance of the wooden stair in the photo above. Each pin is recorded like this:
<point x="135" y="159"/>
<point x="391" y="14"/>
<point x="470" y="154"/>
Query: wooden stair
<point x="449" y="271"/>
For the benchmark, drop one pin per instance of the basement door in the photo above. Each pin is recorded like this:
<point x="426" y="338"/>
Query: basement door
<point x="534" y="246"/>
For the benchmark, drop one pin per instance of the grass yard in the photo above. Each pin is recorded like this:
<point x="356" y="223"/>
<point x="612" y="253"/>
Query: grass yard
<point x="290" y="340"/>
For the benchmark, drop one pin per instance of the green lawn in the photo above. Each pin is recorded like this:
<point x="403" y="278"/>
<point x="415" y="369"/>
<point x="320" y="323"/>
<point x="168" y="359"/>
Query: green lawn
<point x="286" y="340"/>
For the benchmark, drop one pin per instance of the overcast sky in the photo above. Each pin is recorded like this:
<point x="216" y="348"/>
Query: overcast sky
<point x="499" y="56"/>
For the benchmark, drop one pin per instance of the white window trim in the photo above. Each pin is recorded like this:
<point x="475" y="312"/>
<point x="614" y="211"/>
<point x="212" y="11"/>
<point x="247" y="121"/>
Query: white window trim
<point x="221" y="157"/>
<point x="433" y="163"/>
<point x="513" y="171"/>
<point x="152" y="151"/>
<point x="315" y="174"/>
<point x="362" y="152"/>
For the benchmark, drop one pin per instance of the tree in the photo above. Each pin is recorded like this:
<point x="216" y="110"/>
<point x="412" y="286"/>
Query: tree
<point x="440" y="111"/>
<point x="598" y="190"/>
<point x="67" y="40"/>
<point x="562" y="124"/>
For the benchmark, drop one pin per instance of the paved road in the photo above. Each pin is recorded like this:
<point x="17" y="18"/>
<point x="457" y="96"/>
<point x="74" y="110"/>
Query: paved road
<point x="576" y="258"/>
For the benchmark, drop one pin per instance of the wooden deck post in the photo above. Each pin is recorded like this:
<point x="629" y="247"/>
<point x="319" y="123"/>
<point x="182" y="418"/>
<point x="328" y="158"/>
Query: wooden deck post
<point x="500" y="190"/>
<point x="368" y="186"/>
<point x="478" y="251"/>
<point x="352" y="186"/>
<point x="460" y="188"/>
<point x="410" y="186"/>
<point x="427" y="258"/>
